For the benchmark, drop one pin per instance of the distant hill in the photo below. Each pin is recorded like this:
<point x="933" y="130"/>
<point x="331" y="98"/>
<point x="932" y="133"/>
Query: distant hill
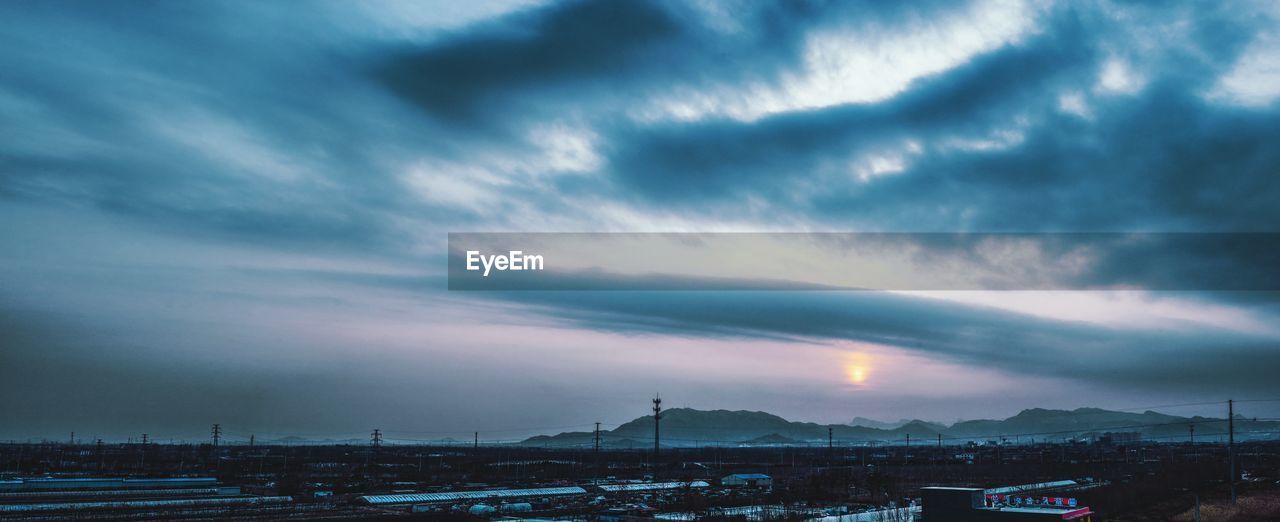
<point x="872" y="423"/>
<point x="690" y="427"/>
<point x="1043" y="424"/>
<point x="880" y="425"/>
<point x="303" y="441"/>
<point x="773" y="438"/>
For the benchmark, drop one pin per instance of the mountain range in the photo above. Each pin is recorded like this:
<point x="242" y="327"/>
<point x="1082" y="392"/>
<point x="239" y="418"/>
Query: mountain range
<point x="872" y="423"/>
<point x="690" y="427"/>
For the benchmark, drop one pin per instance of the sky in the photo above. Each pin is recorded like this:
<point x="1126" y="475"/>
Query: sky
<point x="238" y="212"/>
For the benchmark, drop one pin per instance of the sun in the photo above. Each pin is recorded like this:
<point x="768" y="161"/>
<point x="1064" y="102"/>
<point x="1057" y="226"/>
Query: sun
<point x="857" y="368"/>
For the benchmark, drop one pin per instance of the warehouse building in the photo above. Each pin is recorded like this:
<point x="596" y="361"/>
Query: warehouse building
<point x="67" y="484"/>
<point x="114" y="497"/>
<point x="651" y="486"/>
<point x="755" y="480"/>
<point x="7" y="510"/>
<point x="461" y="496"/>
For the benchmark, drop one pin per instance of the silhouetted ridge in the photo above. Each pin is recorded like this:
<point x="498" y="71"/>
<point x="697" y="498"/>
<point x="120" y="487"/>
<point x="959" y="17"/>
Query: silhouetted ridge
<point x="690" y="427"/>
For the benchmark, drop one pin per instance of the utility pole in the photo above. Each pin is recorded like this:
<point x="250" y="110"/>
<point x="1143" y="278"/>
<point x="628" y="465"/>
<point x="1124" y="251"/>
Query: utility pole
<point x="906" y="455"/>
<point x="939" y="441"/>
<point x="657" y="416"/>
<point x="375" y="441"/>
<point x="597" y="437"/>
<point x="217" y="434"/>
<point x="73" y="438"/>
<point x="1192" y="428"/>
<point x="477" y="443"/>
<point x="831" y="448"/>
<point x="1231" y="445"/>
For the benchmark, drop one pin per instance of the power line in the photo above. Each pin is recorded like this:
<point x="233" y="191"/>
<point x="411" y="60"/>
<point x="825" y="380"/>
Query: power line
<point x="1185" y="404"/>
<point x="1258" y="400"/>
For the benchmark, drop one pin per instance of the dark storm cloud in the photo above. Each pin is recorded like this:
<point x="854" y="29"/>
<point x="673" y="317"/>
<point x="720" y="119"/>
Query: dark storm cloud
<point x="1160" y="159"/>
<point x="1163" y="158"/>
<point x="588" y="55"/>
<point x="576" y="40"/>
<point x="1164" y="161"/>
<point x="695" y="163"/>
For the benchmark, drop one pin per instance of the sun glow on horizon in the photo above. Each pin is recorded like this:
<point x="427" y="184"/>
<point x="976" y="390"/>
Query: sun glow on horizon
<point x="857" y="368"/>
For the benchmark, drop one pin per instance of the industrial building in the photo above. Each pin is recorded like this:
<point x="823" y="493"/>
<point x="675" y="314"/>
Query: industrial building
<point x="974" y="505"/>
<point x="44" y="497"/>
<point x="456" y="496"/>
<point x="108" y="483"/>
<point x="492" y="502"/>
<point x="747" y="479"/>
<point x="651" y="486"/>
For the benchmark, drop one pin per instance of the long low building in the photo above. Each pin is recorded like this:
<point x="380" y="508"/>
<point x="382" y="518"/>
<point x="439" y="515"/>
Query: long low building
<point x="878" y="515"/>
<point x="747" y="479"/>
<point x="452" y="496"/>
<point x="652" y="486"/>
<point x="504" y="494"/>
<point x="142" y="504"/>
<point x="220" y="491"/>
<point x="48" y="484"/>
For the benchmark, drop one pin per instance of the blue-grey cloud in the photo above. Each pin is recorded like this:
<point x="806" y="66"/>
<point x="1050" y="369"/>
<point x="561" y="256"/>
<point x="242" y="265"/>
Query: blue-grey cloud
<point x="1206" y="359"/>
<point x="1163" y="158"/>
<point x="1199" y="358"/>
<point x="582" y="54"/>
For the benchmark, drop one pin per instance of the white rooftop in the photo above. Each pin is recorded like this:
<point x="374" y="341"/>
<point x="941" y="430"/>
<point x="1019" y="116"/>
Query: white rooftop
<point x="411" y="498"/>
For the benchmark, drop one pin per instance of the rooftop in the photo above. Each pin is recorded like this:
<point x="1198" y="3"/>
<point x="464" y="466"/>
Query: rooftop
<point x="410" y="498"/>
<point x="650" y="486"/>
<point x="1032" y="487"/>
